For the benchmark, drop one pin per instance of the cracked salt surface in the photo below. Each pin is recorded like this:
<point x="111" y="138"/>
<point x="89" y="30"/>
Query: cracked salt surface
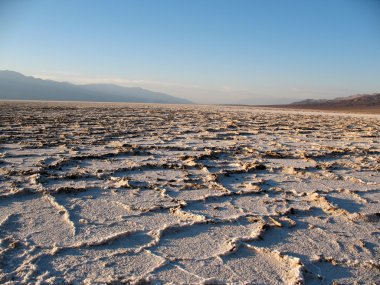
<point x="134" y="193"/>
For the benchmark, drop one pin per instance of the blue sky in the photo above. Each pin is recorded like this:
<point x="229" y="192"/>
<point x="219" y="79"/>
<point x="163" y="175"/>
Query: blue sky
<point x="209" y="51"/>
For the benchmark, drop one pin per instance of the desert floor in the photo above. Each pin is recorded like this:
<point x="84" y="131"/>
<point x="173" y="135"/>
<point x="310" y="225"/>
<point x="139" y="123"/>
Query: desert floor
<point x="133" y="193"/>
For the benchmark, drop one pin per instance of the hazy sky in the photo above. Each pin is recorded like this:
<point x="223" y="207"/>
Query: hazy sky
<point x="204" y="50"/>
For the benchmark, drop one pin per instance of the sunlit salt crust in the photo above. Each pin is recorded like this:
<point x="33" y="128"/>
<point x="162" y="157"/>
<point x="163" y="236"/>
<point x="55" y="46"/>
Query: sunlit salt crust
<point x="134" y="193"/>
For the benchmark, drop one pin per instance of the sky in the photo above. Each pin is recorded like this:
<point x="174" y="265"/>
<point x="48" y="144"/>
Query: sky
<point x="208" y="51"/>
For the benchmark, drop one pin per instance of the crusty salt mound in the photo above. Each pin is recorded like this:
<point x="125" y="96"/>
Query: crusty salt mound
<point x="155" y="194"/>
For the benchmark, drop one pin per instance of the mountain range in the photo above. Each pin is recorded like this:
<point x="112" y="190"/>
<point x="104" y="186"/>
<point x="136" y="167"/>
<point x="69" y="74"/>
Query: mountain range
<point x="360" y="103"/>
<point x="16" y="86"/>
<point x="354" y="101"/>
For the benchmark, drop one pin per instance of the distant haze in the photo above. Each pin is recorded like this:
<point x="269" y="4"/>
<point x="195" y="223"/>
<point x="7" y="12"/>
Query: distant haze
<point x="237" y="52"/>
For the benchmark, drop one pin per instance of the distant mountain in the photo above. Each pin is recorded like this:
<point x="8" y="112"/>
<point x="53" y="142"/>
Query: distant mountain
<point x="355" y="101"/>
<point x="16" y="86"/>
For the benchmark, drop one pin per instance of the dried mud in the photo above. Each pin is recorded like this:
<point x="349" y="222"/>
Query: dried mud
<point x="156" y="194"/>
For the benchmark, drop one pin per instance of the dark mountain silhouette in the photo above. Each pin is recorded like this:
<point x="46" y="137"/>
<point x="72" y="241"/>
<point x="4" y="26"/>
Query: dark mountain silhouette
<point x="16" y="86"/>
<point x="355" y="101"/>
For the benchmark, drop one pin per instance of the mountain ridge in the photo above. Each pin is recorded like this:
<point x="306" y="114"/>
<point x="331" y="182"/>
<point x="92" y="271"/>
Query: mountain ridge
<point x="358" y="100"/>
<point x="17" y="86"/>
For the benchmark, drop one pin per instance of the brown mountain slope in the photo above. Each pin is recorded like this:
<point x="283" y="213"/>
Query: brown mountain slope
<point x="362" y="103"/>
<point x="356" y="101"/>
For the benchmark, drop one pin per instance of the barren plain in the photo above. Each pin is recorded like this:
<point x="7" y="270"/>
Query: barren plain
<point x="160" y="194"/>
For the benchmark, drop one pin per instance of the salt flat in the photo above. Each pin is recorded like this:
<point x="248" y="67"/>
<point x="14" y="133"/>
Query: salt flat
<point x="157" y="194"/>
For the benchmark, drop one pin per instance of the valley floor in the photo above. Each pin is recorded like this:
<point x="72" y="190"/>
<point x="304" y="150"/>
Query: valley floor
<point x="137" y="193"/>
